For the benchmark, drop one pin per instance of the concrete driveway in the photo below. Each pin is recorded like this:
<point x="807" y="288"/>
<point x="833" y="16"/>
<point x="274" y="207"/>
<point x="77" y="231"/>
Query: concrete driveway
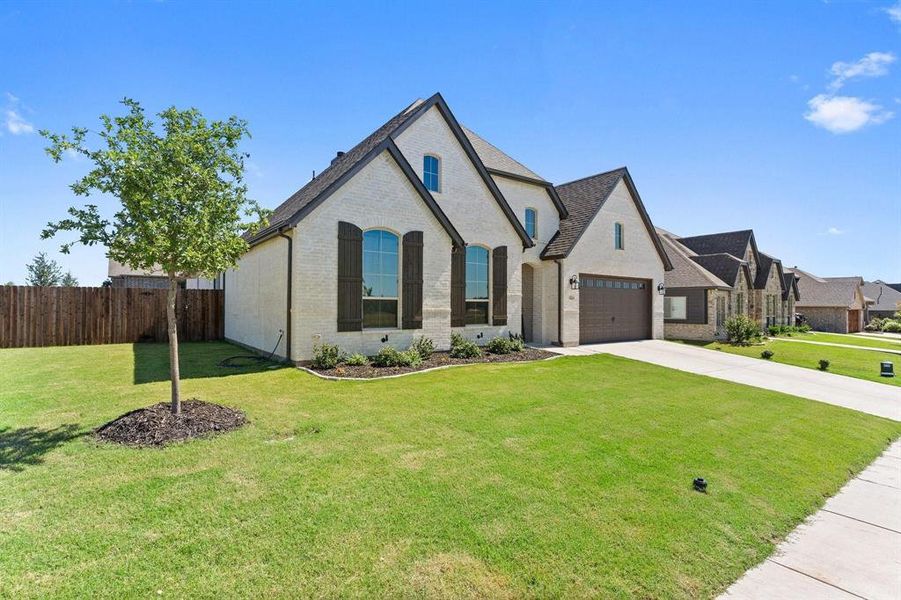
<point x="866" y="396"/>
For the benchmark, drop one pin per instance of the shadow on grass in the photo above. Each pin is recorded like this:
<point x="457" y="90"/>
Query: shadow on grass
<point x="196" y="360"/>
<point x="26" y="446"/>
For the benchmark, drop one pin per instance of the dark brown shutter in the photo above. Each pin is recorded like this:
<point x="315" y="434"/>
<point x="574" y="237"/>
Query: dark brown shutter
<point x="499" y="291"/>
<point x="458" y="287"/>
<point x="412" y="281"/>
<point x="350" y="277"/>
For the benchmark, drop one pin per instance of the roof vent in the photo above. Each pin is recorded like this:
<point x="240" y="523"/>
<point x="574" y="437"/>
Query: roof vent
<point x="338" y="155"/>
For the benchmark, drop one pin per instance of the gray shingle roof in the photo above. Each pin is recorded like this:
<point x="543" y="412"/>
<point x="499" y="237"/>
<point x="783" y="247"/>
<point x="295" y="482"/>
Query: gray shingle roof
<point x="730" y="242"/>
<point x="885" y="297"/>
<point x="789" y="285"/>
<point x="583" y="199"/>
<point x="686" y="272"/>
<point x="725" y="266"/>
<point x="828" y="291"/>
<point x="494" y="158"/>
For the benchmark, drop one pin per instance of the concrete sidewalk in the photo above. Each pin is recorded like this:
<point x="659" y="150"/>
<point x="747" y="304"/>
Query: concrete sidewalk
<point x="866" y="396"/>
<point x="851" y="346"/>
<point x="849" y="549"/>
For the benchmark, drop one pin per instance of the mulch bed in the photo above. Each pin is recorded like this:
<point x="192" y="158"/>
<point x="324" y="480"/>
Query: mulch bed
<point x="438" y="359"/>
<point x="157" y="426"/>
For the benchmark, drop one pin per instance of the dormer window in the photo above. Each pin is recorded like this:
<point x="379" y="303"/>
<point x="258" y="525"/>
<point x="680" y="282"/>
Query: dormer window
<point x="618" y="236"/>
<point x="532" y="223"/>
<point x="431" y="173"/>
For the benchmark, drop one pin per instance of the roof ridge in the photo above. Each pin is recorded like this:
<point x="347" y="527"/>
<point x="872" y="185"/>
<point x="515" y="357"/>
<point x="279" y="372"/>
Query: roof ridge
<point x="467" y="130"/>
<point x="611" y="171"/>
<point x="751" y="231"/>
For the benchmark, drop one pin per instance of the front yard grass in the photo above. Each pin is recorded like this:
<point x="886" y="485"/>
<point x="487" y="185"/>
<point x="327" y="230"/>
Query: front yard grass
<point x="848" y="340"/>
<point x="863" y="364"/>
<point x="566" y="478"/>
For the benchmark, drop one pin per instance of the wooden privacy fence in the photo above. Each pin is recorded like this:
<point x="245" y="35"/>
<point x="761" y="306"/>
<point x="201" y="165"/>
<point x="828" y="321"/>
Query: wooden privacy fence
<point x="66" y="316"/>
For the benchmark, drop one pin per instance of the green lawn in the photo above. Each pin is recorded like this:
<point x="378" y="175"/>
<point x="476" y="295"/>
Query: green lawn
<point x="849" y="340"/>
<point x="863" y="364"/>
<point x="566" y="478"/>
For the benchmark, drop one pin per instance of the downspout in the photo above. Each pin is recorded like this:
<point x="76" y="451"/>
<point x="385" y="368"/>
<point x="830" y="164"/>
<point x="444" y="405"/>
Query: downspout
<point x="559" y="302"/>
<point x="290" y="239"/>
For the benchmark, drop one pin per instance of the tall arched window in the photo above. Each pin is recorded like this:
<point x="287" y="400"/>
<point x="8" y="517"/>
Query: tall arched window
<point x="532" y="223"/>
<point x="431" y="173"/>
<point x="476" y="285"/>
<point x="379" y="279"/>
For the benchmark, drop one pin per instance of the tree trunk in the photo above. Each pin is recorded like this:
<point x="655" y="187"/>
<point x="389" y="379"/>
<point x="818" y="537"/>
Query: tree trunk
<point x="172" y="327"/>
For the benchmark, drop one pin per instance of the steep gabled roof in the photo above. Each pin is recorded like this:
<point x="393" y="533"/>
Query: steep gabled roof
<point x="766" y="263"/>
<point x="725" y="266"/>
<point x="730" y="242"/>
<point x="827" y="292"/>
<point x="495" y="159"/>
<point x="884" y="296"/>
<point x="302" y="202"/>
<point x="686" y="273"/>
<point x="790" y="285"/>
<point x="583" y="199"/>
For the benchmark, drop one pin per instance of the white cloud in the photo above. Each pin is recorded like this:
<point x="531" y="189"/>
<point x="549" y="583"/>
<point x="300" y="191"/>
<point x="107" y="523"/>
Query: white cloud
<point x="844" y="114"/>
<point x="894" y="12"/>
<point x="834" y="231"/>
<point x="16" y="125"/>
<point x="874" y="64"/>
<point x="13" y="120"/>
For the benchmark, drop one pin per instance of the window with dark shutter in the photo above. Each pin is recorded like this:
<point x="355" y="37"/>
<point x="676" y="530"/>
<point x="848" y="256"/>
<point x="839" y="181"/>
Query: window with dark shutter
<point x="458" y="287"/>
<point x="411" y="286"/>
<point x="350" y="277"/>
<point x="499" y="285"/>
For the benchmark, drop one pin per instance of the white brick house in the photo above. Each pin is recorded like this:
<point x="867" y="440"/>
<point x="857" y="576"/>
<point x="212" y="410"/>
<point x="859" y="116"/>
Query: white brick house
<point x="424" y="228"/>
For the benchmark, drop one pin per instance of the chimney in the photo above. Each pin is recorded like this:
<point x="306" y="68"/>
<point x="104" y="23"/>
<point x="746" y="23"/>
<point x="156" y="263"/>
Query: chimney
<point x="338" y="155"/>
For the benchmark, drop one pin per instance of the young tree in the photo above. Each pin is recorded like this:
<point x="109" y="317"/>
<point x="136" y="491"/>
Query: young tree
<point x="182" y="194"/>
<point x="69" y="280"/>
<point x="43" y="271"/>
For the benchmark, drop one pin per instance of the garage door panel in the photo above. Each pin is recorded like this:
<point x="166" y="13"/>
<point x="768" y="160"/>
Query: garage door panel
<point x="613" y="309"/>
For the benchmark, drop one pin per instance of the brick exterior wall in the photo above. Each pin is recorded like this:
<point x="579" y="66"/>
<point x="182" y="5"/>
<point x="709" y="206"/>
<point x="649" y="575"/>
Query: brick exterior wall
<point x="832" y="319"/>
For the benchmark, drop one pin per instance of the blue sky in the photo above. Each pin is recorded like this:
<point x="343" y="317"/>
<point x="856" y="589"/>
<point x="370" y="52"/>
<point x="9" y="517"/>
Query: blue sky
<point x="784" y="117"/>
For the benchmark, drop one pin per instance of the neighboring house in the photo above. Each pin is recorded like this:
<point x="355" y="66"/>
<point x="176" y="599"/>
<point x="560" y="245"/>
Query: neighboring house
<point x="835" y="304"/>
<point x="886" y="299"/>
<point x="721" y="275"/>
<point x="122" y="276"/>
<point x="424" y="229"/>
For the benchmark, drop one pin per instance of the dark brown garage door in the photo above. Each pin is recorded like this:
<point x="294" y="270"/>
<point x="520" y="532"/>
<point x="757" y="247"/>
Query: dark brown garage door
<point x="613" y="309"/>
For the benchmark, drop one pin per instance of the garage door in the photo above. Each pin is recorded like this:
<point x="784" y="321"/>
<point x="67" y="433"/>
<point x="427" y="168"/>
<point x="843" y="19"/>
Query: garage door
<point x="613" y="309"/>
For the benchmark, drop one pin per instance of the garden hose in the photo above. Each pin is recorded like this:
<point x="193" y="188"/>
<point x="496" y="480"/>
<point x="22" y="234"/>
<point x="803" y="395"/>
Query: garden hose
<point x="251" y="358"/>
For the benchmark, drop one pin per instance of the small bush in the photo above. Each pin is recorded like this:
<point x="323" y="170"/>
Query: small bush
<point x="824" y="364"/>
<point x="326" y="356"/>
<point x="463" y="348"/>
<point x="356" y="360"/>
<point x="774" y="330"/>
<point x="767" y="354"/>
<point x="517" y="344"/>
<point x="387" y="356"/>
<point x="875" y="324"/>
<point x="891" y="326"/>
<point x="423" y="346"/>
<point x="500" y="345"/>
<point x="805" y="328"/>
<point x="742" y="329"/>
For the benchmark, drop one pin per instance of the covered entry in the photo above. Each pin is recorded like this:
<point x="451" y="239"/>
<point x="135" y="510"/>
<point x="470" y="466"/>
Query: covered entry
<point x="613" y="309"/>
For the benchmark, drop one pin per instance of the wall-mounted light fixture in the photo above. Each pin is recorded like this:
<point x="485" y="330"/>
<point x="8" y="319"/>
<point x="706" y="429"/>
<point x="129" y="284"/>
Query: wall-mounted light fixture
<point x="661" y="288"/>
<point x="574" y="282"/>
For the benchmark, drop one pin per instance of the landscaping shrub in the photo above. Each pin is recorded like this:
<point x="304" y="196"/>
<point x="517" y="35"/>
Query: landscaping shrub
<point x="875" y="324"/>
<point x="767" y="354"/>
<point x="356" y="360"/>
<point x="517" y="344"/>
<point x="463" y="348"/>
<point x="824" y="364"/>
<point x="805" y="328"/>
<point x="774" y="330"/>
<point x="891" y="326"/>
<point x="499" y="345"/>
<point x="742" y="329"/>
<point x="423" y="346"/>
<point x="392" y="357"/>
<point x="326" y="356"/>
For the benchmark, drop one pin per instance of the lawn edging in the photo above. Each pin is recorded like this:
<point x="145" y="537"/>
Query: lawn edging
<point x="428" y="370"/>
